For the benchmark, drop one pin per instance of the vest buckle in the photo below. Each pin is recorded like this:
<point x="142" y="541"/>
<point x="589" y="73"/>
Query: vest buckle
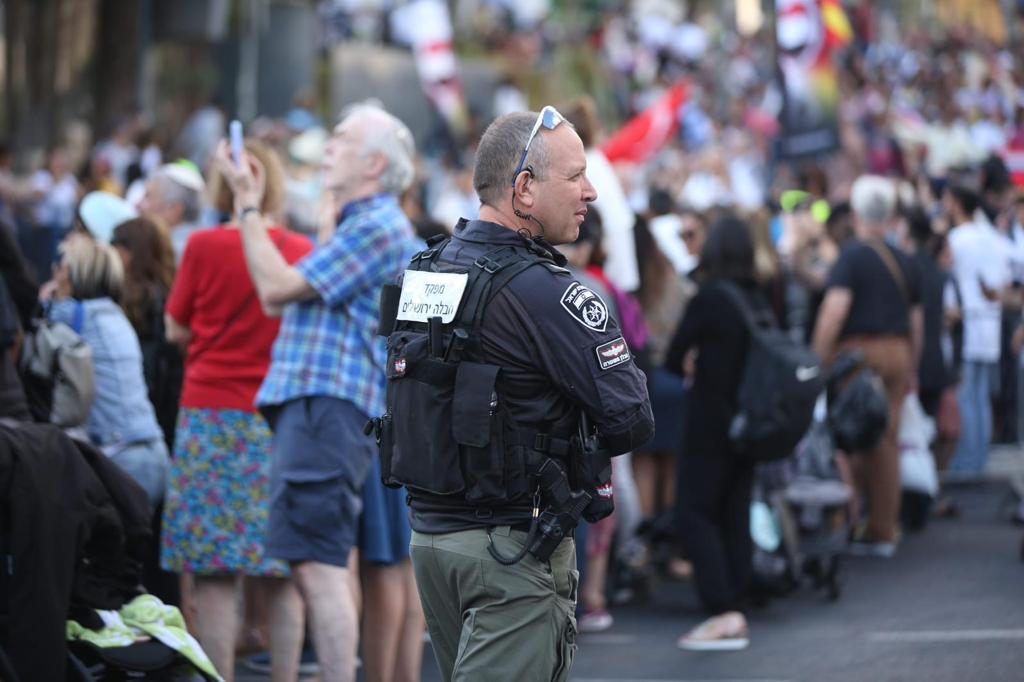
<point x="488" y="264"/>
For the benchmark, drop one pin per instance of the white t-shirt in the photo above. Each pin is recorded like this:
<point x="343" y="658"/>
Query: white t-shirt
<point x="57" y="207"/>
<point x="980" y="256"/>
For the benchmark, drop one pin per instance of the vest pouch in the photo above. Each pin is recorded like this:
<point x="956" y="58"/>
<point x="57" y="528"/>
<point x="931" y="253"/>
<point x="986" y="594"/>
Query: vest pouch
<point x="423" y="454"/>
<point x="479" y="427"/>
<point x="386" y="446"/>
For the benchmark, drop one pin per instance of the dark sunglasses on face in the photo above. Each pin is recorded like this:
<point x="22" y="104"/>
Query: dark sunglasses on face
<point x="550" y="119"/>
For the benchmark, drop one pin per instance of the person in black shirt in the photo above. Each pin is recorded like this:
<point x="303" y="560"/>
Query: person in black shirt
<point x="936" y="374"/>
<point x="714" y="486"/>
<point x="873" y="305"/>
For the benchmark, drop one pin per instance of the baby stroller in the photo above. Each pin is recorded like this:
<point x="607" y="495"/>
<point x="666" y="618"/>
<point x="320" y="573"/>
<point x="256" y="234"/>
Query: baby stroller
<point x="806" y="498"/>
<point x="808" y="504"/>
<point x="71" y="607"/>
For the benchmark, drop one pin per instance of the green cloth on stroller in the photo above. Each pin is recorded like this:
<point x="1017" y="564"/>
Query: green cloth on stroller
<point x="138" y="620"/>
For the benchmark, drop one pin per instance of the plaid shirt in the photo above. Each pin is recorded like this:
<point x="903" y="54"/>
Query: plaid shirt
<point x="329" y="346"/>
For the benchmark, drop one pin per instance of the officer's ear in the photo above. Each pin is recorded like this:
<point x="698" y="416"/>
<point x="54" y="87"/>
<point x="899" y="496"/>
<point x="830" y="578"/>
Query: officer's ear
<point x="524" y="187"/>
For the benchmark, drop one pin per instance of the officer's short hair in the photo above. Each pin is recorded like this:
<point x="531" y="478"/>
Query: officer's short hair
<point x="498" y="154"/>
<point x="391" y="138"/>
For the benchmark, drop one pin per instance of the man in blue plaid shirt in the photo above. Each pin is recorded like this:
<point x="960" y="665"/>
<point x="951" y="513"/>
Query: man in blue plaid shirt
<point x="326" y="375"/>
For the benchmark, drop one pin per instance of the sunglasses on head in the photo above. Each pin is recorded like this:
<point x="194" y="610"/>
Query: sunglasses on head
<point x="550" y="119"/>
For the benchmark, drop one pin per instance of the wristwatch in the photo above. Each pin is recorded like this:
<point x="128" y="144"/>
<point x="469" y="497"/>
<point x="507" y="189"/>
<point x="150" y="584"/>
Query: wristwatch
<point x="247" y="210"/>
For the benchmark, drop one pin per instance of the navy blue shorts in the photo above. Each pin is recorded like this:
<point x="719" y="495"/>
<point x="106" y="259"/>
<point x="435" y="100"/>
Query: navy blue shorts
<point x="320" y="459"/>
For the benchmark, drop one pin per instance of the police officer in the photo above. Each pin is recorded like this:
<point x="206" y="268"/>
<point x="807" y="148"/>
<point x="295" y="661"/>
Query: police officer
<point x="560" y="357"/>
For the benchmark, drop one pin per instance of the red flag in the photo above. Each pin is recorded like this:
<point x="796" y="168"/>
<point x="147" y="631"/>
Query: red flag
<point x="648" y="132"/>
<point x="1013" y="156"/>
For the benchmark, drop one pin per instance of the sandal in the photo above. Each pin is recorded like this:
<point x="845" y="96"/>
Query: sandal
<point x="727" y="632"/>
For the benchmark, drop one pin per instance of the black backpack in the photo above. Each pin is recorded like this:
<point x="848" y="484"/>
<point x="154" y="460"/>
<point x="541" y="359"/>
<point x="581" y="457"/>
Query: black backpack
<point x="781" y="382"/>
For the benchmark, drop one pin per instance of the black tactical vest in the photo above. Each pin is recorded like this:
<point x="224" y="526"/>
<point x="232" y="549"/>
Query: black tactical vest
<point x="447" y="434"/>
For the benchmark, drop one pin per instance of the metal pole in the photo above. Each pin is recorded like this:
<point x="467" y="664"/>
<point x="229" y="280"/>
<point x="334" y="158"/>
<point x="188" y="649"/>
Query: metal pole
<point x="1010" y="19"/>
<point x="249" y="57"/>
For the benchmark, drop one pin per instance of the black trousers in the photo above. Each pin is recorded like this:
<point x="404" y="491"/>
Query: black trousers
<point x="714" y="523"/>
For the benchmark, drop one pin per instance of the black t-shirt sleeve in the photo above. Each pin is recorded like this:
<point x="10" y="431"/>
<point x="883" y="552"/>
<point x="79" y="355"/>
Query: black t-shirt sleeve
<point x="842" y="273"/>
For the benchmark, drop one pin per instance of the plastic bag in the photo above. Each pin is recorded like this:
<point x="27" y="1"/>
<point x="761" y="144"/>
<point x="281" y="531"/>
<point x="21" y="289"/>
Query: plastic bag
<point x="917" y="465"/>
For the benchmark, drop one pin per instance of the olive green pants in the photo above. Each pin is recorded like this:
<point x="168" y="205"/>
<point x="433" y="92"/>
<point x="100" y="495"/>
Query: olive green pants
<point x="488" y="621"/>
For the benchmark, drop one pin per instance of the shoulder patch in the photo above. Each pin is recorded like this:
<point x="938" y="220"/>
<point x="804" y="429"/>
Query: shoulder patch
<point x="586" y="307"/>
<point x="612" y="354"/>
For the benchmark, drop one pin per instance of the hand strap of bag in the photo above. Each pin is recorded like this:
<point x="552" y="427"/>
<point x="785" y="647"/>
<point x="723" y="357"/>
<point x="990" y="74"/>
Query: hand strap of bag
<point x="893" y="268"/>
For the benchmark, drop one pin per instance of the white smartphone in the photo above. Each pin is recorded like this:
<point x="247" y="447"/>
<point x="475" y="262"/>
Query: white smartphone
<point x="237" y="143"/>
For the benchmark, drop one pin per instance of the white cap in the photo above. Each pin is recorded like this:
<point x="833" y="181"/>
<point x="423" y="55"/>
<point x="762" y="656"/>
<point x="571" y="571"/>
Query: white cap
<point x="101" y="212"/>
<point x="308" y="147"/>
<point x="185" y="175"/>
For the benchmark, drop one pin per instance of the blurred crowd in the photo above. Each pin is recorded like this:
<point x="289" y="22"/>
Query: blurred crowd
<point x="930" y="169"/>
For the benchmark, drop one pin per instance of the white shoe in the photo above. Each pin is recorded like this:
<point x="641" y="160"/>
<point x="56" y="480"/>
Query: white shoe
<point x="595" y="621"/>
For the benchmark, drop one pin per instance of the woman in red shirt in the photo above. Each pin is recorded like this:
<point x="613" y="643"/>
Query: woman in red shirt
<point x="217" y="502"/>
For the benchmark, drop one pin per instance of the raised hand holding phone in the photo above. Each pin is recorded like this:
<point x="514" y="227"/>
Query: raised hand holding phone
<point x="237" y="141"/>
<point x="246" y="180"/>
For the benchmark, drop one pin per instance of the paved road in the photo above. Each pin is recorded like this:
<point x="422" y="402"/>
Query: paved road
<point x="948" y="607"/>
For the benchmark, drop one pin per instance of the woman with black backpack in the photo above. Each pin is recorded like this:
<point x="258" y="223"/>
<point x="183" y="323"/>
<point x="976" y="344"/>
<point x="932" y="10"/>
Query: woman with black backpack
<point x="715" y="481"/>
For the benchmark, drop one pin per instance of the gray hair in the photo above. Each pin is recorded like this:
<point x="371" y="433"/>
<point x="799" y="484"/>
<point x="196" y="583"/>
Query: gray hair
<point x="873" y="199"/>
<point x="391" y="138"/>
<point x="173" y="192"/>
<point x="498" y="155"/>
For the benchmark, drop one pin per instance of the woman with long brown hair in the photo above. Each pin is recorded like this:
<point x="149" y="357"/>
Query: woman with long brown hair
<point x="218" y="496"/>
<point x="148" y="258"/>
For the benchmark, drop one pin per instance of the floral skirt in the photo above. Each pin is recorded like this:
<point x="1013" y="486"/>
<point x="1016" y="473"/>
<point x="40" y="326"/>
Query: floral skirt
<point x="215" y="512"/>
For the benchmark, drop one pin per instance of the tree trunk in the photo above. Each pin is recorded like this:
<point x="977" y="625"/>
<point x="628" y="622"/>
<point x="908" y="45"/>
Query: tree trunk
<point x="31" y="34"/>
<point x="117" y="63"/>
